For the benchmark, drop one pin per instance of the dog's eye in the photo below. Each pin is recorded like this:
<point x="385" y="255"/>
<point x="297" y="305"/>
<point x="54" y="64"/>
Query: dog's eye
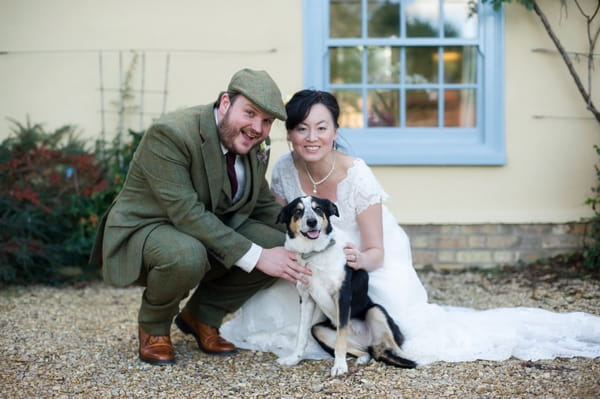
<point x="298" y="212"/>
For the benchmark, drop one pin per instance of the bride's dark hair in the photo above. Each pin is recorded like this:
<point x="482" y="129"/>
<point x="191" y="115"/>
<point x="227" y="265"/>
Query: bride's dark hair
<point x="299" y="106"/>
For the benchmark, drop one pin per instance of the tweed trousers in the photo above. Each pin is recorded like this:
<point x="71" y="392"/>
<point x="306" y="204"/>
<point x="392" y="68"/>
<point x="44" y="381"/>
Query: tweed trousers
<point x="175" y="263"/>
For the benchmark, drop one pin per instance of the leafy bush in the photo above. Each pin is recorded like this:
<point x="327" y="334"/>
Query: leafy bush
<point x="53" y="192"/>
<point x="591" y="254"/>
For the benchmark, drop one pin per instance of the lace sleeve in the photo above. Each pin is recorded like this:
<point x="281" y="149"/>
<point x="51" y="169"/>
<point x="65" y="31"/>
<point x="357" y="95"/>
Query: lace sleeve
<point x="283" y="178"/>
<point x="367" y="190"/>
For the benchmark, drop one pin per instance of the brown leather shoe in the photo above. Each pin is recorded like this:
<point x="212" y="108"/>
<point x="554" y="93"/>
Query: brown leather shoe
<point x="208" y="337"/>
<point x="156" y="349"/>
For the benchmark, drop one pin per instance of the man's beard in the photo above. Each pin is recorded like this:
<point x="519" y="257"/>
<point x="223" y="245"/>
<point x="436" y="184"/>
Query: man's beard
<point x="227" y="132"/>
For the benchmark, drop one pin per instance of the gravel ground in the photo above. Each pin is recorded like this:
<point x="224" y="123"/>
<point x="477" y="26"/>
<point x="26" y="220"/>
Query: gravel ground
<point x="82" y="343"/>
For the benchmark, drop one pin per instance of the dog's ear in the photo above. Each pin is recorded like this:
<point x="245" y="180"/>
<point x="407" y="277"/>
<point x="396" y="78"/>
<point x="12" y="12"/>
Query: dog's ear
<point x="333" y="209"/>
<point x="285" y="214"/>
<point x="328" y="206"/>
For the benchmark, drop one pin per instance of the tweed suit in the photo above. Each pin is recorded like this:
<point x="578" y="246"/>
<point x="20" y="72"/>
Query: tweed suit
<point x="177" y="182"/>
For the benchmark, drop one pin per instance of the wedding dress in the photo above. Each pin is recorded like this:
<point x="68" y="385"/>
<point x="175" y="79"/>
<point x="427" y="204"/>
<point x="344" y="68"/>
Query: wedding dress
<point x="269" y="320"/>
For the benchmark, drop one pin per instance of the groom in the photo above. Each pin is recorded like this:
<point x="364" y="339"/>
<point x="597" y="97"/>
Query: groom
<point x="196" y="212"/>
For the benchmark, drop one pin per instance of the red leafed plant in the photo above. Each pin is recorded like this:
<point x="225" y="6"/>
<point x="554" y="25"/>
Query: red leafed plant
<point x="52" y="195"/>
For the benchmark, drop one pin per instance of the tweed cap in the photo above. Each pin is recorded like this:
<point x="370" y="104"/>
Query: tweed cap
<point x="259" y="87"/>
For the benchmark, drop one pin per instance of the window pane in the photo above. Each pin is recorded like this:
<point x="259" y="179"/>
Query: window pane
<point x="384" y="65"/>
<point x="457" y="22"/>
<point x="422" y="18"/>
<point x="460" y="64"/>
<point x="345" y="65"/>
<point x="460" y="109"/>
<point x="421" y="108"/>
<point x="384" y="18"/>
<point x="344" y="18"/>
<point x="383" y="108"/>
<point x="350" y="102"/>
<point x="421" y="65"/>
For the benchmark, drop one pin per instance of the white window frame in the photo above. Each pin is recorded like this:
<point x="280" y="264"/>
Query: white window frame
<point x="483" y="144"/>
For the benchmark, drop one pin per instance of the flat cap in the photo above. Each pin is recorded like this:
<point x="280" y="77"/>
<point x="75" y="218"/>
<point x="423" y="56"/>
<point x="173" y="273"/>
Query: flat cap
<point x="259" y="87"/>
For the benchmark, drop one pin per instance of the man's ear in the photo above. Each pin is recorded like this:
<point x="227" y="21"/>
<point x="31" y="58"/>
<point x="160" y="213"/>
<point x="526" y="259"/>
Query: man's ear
<point x="224" y="104"/>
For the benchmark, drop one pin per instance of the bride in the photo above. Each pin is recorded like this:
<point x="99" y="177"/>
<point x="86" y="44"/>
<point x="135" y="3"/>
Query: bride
<point x="269" y="320"/>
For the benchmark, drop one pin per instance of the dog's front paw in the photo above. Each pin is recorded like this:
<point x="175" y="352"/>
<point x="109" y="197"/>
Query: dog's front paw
<point x="339" y="368"/>
<point x="290" y="360"/>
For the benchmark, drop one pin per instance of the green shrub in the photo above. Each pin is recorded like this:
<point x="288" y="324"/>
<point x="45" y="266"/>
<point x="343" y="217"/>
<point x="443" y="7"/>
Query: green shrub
<point x="591" y="254"/>
<point x="53" y="192"/>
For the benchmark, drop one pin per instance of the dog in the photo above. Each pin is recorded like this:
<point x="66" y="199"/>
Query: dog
<point x="354" y="324"/>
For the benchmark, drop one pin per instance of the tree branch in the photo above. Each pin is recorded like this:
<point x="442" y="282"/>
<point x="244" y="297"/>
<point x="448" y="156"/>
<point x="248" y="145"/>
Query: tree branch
<point x="561" y="50"/>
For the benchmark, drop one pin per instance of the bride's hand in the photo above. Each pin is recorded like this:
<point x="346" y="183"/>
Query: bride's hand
<point x="353" y="256"/>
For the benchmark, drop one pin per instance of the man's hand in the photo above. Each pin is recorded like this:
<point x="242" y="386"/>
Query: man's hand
<point x="279" y="262"/>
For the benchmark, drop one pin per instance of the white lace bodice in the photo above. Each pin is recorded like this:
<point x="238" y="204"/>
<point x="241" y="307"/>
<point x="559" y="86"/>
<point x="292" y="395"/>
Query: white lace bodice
<point x="359" y="190"/>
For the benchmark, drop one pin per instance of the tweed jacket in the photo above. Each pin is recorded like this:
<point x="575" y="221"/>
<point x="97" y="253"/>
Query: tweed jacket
<point x="178" y="176"/>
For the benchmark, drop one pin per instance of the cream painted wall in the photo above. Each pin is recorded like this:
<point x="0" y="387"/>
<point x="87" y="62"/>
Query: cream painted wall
<point x="51" y="72"/>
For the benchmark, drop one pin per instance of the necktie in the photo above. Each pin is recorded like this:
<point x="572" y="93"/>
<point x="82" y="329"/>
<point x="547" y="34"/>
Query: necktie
<point x="230" y="158"/>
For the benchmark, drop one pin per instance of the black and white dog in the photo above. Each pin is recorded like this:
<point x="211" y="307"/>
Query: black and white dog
<point x="355" y="324"/>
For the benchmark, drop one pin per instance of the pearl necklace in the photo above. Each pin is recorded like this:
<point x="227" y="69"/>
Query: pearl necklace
<point x="316" y="183"/>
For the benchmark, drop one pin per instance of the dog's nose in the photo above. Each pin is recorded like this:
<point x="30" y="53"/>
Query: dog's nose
<point x="312" y="222"/>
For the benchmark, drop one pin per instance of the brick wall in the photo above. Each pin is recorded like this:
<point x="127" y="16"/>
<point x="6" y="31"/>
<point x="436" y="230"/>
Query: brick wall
<point x="490" y="245"/>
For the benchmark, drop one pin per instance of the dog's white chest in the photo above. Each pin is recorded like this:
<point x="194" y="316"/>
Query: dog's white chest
<point x="328" y="274"/>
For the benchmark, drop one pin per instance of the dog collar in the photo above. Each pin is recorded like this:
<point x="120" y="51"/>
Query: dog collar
<point x="313" y="253"/>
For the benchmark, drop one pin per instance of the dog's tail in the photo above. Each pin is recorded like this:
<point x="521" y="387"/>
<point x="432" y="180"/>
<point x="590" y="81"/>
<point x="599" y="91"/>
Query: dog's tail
<point x="387" y="355"/>
<point x="387" y="339"/>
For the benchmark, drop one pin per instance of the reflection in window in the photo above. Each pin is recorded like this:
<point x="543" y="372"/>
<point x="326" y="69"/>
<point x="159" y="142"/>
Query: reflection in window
<point x="383" y="108"/>
<point x="460" y="64"/>
<point x="384" y="18"/>
<point x="459" y="109"/>
<point x="351" y="105"/>
<point x="422" y="18"/>
<point x="345" y="65"/>
<point x="457" y="22"/>
<point x="384" y="64"/>
<point x="421" y="108"/>
<point x="344" y="18"/>
<point x="421" y="65"/>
